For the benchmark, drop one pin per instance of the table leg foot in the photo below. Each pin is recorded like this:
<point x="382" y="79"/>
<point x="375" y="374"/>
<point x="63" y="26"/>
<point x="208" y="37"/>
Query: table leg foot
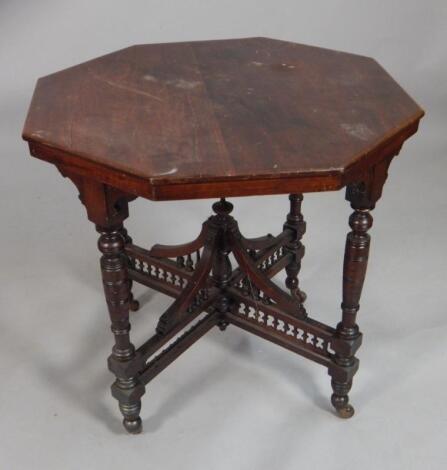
<point x="132" y="421"/>
<point x="340" y="399"/>
<point x="346" y="412"/>
<point x="133" y="426"/>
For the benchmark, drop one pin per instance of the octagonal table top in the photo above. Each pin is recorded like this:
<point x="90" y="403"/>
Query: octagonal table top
<point x="220" y="118"/>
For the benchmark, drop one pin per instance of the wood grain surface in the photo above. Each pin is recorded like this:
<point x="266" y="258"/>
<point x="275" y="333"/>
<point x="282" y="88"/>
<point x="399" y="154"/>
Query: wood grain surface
<point x="220" y="118"/>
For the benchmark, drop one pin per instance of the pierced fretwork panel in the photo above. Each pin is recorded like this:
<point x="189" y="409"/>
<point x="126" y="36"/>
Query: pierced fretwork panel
<point x="306" y="336"/>
<point x="158" y="272"/>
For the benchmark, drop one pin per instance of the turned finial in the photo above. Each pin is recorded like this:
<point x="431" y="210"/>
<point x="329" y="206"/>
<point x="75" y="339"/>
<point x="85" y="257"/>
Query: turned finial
<point x="222" y="207"/>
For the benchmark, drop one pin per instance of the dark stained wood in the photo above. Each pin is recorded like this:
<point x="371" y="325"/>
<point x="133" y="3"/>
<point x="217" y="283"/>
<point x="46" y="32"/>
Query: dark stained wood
<point x="278" y="338"/>
<point x="295" y="222"/>
<point x="214" y="119"/>
<point x="134" y="305"/>
<point x="354" y="271"/>
<point x="156" y="342"/>
<point x="197" y="281"/>
<point x="167" y="251"/>
<point x="363" y="196"/>
<point x="220" y="118"/>
<point x="222" y="272"/>
<point x="127" y="388"/>
<point x="180" y="345"/>
<point x="257" y="279"/>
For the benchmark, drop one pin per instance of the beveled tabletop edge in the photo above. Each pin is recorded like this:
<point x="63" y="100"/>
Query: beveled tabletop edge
<point x="156" y="189"/>
<point x="47" y="149"/>
<point x="195" y="185"/>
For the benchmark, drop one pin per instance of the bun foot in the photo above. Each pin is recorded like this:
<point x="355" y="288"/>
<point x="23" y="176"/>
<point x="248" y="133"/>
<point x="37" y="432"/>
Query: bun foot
<point x="340" y="399"/>
<point x="133" y="426"/>
<point x="134" y="305"/>
<point x="345" y="412"/>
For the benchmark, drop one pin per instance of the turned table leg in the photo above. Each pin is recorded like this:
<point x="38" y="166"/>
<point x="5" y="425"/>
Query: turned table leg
<point x="123" y="361"/>
<point x="354" y="270"/>
<point x="363" y="196"/>
<point x="295" y="222"/>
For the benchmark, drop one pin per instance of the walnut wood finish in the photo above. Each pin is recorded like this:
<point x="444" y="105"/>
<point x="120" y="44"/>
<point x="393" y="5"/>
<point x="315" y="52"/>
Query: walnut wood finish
<point x="127" y="387"/>
<point x="220" y="118"/>
<point x="363" y="197"/>
<point x="354" y="270"/>
<point x="217" y="119"/>
<point x="296" y="223"/>
<point x="134" y="305"/>
<point x="175" y="312"/>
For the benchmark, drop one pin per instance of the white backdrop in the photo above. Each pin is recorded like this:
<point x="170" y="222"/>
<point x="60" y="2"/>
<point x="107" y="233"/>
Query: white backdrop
<point x="232" y="401"/>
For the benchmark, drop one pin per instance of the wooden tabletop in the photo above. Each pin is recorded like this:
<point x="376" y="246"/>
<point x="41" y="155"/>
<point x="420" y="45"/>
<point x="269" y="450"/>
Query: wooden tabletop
<point x="220" y="118"/>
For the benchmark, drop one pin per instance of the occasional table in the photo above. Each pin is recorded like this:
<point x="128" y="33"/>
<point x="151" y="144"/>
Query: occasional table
<point x="215" y="119"/>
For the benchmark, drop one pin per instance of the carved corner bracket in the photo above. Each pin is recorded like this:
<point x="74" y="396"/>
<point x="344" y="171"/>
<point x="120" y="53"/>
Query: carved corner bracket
<point x="106" y="206"/>
<point x="367" y="189"/>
